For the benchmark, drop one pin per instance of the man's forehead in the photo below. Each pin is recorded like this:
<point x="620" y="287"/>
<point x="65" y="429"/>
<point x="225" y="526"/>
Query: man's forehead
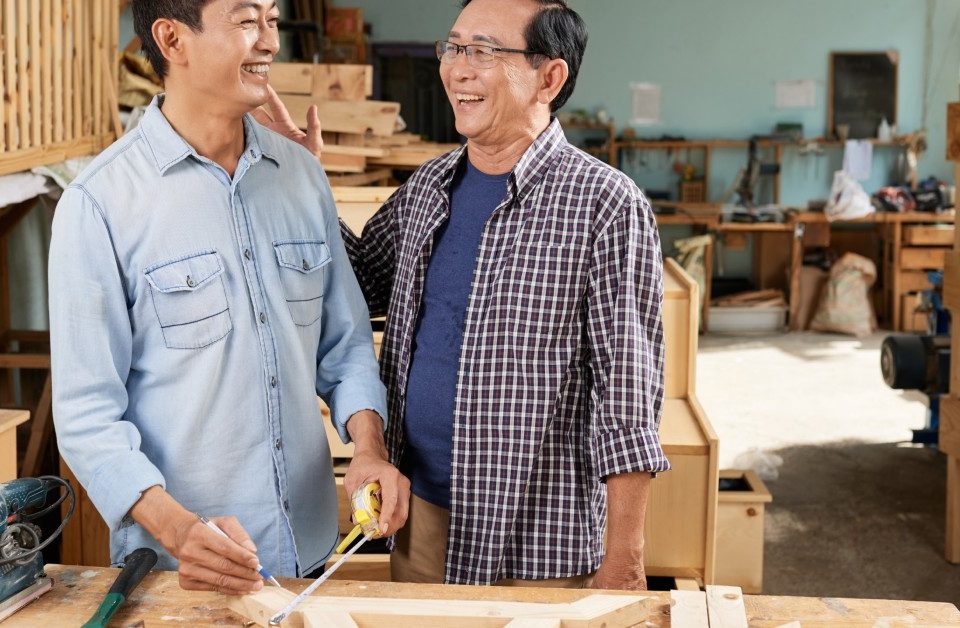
<point x="497" y="22"/>
<point x="234" y="6"/>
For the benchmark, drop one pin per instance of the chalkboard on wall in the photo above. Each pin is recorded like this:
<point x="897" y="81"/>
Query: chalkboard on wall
<point x="863" y="91"/>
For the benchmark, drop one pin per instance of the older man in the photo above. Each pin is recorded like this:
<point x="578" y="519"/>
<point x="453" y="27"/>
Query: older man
<point x="200" y="299"/>
<point x="523" y="354"/>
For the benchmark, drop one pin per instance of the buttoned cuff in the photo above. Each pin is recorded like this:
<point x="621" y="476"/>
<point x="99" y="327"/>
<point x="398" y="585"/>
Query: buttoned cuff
<point x="118" y="484"/>
<point x="352" y="396"/>
<point x="630" y="451"/>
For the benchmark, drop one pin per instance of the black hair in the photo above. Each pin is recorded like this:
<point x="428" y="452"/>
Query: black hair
<point x="146" y="12"/>
<point x="556" y="32"/>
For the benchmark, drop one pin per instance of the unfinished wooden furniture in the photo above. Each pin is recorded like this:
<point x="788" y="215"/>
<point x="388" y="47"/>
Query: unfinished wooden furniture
<point x="950" y="404"/>
<point x="9" y="420"/>
<point x="160" y="602"/>
<point x="740" y="531"/>
<point x="59" y="83"/>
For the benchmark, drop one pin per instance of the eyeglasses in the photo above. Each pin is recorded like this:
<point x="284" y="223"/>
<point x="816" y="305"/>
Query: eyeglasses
<point x="479" y="56"/>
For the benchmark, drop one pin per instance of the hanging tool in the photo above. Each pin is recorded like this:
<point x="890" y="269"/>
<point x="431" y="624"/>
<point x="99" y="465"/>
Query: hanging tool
<point x="366" y="515"/>
<point x="136" y="565"/>
<point x="22" y="502"/>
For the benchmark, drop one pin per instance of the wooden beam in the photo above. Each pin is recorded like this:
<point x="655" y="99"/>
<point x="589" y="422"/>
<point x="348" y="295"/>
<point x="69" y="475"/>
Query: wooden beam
<point x="688" y="609"/>
<point x="725" y="607"/>
<point x="372" y="116"/>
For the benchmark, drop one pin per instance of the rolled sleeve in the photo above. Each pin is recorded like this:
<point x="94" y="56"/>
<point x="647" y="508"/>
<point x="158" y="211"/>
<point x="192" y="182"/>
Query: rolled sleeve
<point x="625" y="331"/>
<point x="91" y="348"/>
<point x="348" y="375"/>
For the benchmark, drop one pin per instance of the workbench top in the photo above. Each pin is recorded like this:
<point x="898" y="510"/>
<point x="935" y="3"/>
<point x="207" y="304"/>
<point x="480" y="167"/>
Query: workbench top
<point x="78" y="591"/>
<point x="10" y="419"/>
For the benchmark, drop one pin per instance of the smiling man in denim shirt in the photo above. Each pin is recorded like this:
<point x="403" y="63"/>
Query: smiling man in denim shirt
<point x="199" y="303"/>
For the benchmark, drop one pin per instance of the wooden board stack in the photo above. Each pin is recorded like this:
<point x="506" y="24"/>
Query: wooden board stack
<point x="359" y="134"/>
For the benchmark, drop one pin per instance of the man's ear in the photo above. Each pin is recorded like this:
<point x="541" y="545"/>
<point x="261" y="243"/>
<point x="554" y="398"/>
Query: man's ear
<point x="169" y="36"/>
<point x="553" y="76"/>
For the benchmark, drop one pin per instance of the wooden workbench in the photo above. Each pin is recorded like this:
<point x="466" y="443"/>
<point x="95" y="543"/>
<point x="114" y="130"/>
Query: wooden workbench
<point x="159" y="600"/>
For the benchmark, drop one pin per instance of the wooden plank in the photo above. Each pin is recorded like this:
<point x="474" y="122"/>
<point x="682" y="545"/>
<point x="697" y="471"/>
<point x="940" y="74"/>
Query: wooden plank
<point x="19" y="161"/>
<point x="23" y="85"/>
<point x="951" y="282"/>
<point x="46" y="70"/>
<point x="928" y="235"/>
<point x="3" y="84"/>
<point x="365" y="567"/>
<point x="953" y="131"/>
<point x="362" y="194"/>
<point x="332" y="162"/>
<point x="688" y="609"/>
<point x="413" y="156"/>
<point x="592" y="611"/>
<point x="343" y="81"/>
<point x="59" y="76"/>
<point x="952" y="548"/>
<point x="362" y="151"/>
<point x="916" y="258"/>
<point x="292" y="78"/>
<point x="9" y="420"/>
<point x="35" y="69"/>
<point x="379" y="176"/>
<point x="725" y="607"/>
<point x="374" y="116"/>
<point x="949" y="436"/>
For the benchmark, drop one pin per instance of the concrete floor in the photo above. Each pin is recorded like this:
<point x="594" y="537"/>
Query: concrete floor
<point x="857" y="511"/>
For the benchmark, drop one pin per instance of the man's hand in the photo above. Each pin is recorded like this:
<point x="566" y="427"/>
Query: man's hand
<point x="622" y="567"/>
<point x="279" y="121"/>
<point x="208" y="562"/>
<point x="621" y="570"/>
<point x="371" y="464"/>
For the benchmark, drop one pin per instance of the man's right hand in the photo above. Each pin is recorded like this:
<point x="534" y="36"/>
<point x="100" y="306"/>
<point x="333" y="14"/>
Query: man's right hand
<point x="208" y="561"/>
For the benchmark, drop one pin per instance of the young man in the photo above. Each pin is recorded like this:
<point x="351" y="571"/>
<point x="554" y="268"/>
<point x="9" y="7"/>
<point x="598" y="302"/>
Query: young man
<point x="200" y="300"/>
<point x="523" y="353"/>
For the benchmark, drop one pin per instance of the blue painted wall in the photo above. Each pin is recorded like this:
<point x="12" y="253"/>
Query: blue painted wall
<point x="718" y="62"/>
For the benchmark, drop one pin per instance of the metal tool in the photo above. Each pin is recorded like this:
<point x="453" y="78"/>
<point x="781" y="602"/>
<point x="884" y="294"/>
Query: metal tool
<point x="366" y="515"/>
<point x="263" y="572"/>
<point x="22" y="501"/>
<point x="136" y="565"/>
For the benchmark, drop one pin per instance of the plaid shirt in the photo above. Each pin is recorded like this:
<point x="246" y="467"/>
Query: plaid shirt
<point x="561" y="368"/>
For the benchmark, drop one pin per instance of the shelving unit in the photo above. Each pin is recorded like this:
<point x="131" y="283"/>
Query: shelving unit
<point x="608" y="151"/>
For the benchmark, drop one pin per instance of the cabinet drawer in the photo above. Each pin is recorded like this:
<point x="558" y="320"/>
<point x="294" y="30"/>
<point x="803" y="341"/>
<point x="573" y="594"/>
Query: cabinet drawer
<point x="911" y="320"/>
<point x="928" y="235"/>
<point x="914" y="281"/>
<point x="917" y="258"/>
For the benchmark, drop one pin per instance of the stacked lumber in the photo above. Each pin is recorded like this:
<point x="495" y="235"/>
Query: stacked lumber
<point x="754" y="298"/>
<point x="359" y="134"/>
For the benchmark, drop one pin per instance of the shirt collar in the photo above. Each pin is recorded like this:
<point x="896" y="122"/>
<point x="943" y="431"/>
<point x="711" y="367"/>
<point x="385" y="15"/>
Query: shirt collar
<point x="169" y="148"/>
<point x="529" y="171"/>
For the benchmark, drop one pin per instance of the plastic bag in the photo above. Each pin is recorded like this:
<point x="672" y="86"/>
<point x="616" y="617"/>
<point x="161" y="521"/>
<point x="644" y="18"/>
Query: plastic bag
<point x="847" y="199"/>
<point x="765" y="464"/>
<point x="845" y="304"/>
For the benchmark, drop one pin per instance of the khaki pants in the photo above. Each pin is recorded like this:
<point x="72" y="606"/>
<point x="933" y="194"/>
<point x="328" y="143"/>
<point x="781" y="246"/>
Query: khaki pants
<point x="421" y="551"/>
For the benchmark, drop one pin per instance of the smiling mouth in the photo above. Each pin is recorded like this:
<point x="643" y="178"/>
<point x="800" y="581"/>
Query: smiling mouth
<point x="469" y="98"/>
<point x="260" y="69"/>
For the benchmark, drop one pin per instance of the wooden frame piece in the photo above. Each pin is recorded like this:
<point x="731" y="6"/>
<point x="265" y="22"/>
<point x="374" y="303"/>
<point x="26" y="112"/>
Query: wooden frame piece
<point x="593" y="611"/>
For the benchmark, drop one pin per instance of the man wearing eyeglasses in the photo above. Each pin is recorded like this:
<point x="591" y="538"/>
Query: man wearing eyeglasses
<point x="523" y="353"/>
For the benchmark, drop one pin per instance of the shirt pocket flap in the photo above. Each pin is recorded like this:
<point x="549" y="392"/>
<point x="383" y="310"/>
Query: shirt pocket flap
<point x="185" y="274"/>
<point x="305" y="256"/>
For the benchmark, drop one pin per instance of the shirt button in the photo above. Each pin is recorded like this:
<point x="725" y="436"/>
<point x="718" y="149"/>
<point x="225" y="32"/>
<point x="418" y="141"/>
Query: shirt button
<point x="190" y="282"/>
<point x="273" y="382"/>
<point x="277" y="444"/>
<point x="263" y="317"/>
<point x="247" y="254"/>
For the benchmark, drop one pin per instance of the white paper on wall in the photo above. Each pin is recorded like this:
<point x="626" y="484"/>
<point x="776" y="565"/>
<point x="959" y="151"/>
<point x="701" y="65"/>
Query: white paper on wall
<point x="796" y="94"/>
<point x="646" y="103"/>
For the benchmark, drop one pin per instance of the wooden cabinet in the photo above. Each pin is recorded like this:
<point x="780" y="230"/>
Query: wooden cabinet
<point x="914" y="243"/>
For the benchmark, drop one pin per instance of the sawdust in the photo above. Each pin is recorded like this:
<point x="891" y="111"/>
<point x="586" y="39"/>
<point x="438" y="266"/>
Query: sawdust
<point x="90" y="573"/>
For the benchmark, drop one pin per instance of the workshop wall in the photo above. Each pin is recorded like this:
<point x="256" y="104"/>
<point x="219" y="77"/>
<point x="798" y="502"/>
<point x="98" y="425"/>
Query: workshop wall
<point x="718" y="62"/>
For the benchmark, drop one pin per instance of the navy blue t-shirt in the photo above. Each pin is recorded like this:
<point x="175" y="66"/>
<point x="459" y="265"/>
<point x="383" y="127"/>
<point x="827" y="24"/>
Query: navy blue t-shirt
<point x="432" y="383"/>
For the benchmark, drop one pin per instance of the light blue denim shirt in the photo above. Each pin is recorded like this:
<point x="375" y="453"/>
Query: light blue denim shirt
<point x="193" y="320"/>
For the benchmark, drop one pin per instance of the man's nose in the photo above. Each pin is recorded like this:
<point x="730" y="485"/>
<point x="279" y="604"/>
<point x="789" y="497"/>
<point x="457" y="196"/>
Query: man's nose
<point x="269" y="40"/>
<point x="461" y="67"/>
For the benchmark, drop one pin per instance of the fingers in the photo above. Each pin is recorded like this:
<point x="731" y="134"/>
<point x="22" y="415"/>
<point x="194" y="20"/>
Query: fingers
<point x="235" y="531"/>
<point x="197" y="578"/>
<point x="278" y="111"/>
<point x="395" y="492"/>
<point x="314" y="132"/>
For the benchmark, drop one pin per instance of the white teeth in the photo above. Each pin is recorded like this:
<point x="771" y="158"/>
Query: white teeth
<point x="261" y="68"/>
<point x="468" y="97"/>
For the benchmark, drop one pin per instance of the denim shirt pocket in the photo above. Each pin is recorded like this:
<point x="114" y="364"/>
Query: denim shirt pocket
<point x="302" y="274"/>
<point x="190" y="300"/>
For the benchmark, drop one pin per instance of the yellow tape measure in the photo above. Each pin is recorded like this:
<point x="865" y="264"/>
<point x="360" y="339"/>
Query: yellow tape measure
<point x="366" y="514"/>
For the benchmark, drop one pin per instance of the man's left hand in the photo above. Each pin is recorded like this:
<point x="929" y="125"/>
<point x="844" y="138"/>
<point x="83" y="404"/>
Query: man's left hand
<point x="371" y="464"/>
<point x="620" y="572"/>
<point x="279" y="121"/>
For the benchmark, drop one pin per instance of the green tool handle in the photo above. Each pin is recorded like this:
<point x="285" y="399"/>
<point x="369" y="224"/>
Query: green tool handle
<point x="136" y="565"/>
